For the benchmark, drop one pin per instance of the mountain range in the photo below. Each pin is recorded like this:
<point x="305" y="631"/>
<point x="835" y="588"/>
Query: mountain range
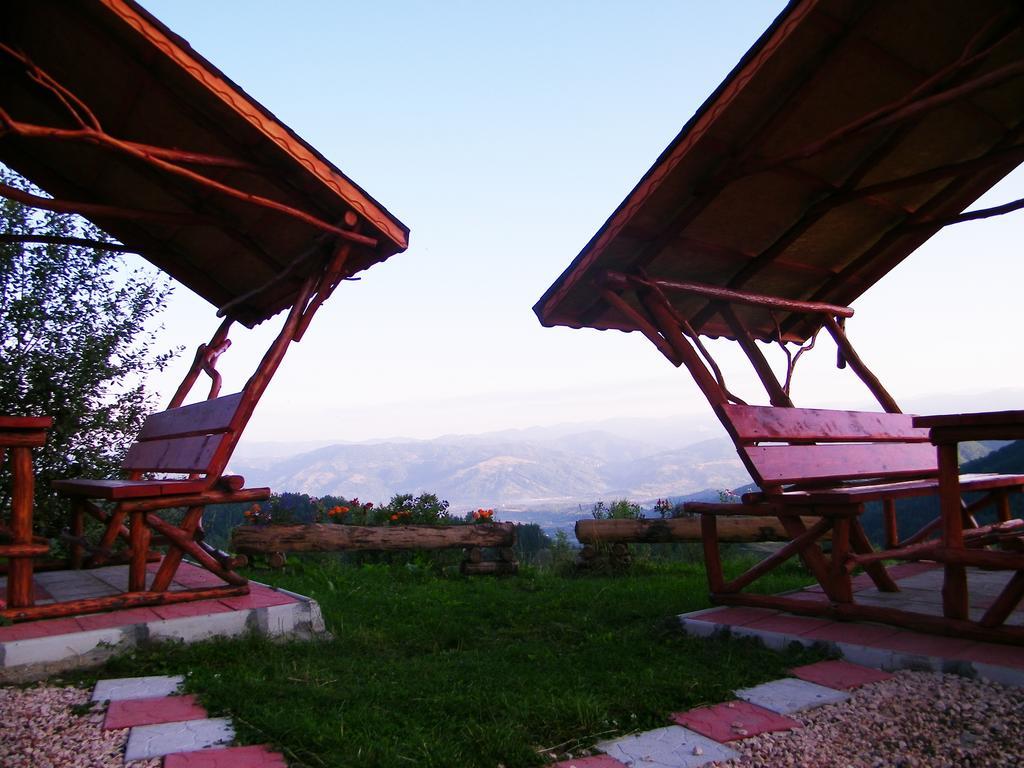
<point x="548" y="467"/>
<point x="490" y="471"/>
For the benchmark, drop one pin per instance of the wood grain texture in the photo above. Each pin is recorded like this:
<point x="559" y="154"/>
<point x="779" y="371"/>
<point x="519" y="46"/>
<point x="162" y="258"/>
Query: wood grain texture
<point x="806" y="463"/>
<point x="318" y="537"/>
<point x="755" y="423"/>
<point x="204" y="418"/>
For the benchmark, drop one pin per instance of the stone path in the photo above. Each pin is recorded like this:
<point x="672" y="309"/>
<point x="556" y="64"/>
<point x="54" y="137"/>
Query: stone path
<point x="175" y="727"/>
<point x="703" y="735"/>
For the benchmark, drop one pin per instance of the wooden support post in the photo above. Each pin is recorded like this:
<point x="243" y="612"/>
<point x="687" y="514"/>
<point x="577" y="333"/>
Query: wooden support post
<point x="1008" y="599"/>
<point x="954" y="587"/>
<point x="776" y="394"/>
<point x="862" y="546"/>
<point x="863" y="372"/>
<point x="798" y="545"/>
<point x="837" y="561"/>
<point x="139" y="543"/>
<point x="19" y="578"/>
<point x="892" y="533"/>
<point x="712" y="556"/>
<point x="1003" y="510"/>
<point x="189" y="547"/>
<point x="812" y="557"/>
<point x="169" y="565"/>
<point x="684" y="351"/>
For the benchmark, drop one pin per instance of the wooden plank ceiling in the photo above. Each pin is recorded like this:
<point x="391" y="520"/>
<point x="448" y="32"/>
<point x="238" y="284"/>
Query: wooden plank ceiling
<point x="849" y="134"/>
<point x="147" y="88"/>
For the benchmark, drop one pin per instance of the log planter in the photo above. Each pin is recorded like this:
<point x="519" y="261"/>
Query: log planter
<point x="616" y="535"/>
<point x="274" y="540"/>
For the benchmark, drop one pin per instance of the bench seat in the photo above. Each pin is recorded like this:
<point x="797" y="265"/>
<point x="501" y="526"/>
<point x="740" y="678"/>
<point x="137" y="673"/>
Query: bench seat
<point x="858" y="494"/>
<point x="114" y="490"/>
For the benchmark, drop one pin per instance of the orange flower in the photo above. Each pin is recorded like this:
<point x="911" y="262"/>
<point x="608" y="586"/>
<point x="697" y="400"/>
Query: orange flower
<point x="394" y="517"/>
<point x="342" y="510"/>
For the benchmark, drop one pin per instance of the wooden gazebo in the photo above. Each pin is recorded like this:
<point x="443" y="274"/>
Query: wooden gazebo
<point x="119" y="120"/>
<point x="846" y="136"/>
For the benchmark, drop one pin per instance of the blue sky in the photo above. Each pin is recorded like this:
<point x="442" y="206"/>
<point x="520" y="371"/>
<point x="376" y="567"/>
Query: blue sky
<point x="504" y="135"/>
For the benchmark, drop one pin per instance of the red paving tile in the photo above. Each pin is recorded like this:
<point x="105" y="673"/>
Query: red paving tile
<point x="733" y="720"/>
<point x="926" y="645"/>
<point x="259" y="597"/>
<point x="597" y="761"/>
<point x="841" y="675"/>
<point x="233" y="757"/>
<point x="165" y="709"/>
<point x="117" y="618"/>
<point x="33" y="629"/>
<point x="735" y="616"/>
<point x="789" y="625"/>
<point x="193" y="608"/>
<point x="855" y="634"/>
<point x="992" y="653"/>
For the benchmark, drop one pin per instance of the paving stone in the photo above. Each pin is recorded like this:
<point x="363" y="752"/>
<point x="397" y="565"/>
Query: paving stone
<point x="999" y="655"/>
<point x="145" y="741"/>
<point x="671" y="747"/>
<point x="1008" y="676"/>
<point x="150" y="687"/>
<point x="596" y="761"/>
<point x="840" y="675"/>
<point x="737" y="616"/>
<point x="790" y="695"/>
<point x="127" y="713"/>
<point x="733" y="720"/>
<point x="195" y="628"/>
<point x="231" y="757"/>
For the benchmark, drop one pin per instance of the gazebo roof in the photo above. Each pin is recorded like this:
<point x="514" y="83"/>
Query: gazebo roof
<point x="159" y="103"/>
<point x="847" y="135"/>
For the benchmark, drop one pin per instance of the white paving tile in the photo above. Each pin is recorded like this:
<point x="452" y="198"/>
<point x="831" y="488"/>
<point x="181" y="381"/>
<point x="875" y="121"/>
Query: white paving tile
<point x="790" y="695"/>
<point x="150" y="687"/>
<point x="671" y="747"/>
<point x="146" y="741"/>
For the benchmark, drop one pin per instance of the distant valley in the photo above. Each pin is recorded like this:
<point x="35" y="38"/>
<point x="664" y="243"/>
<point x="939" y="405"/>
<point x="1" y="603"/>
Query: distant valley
<point x="501" y="470"/>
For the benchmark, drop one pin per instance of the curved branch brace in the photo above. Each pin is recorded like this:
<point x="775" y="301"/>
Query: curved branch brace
<point x="90" y="131"/>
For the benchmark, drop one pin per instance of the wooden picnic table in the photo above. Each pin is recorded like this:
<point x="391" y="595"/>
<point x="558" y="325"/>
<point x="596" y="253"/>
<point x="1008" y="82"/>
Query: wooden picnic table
<point x="946" y="432"/>
<point x="19" y="435"/>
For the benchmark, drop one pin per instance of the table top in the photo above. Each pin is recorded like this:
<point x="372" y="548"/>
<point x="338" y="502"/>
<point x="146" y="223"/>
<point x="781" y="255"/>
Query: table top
<point x="8" y="423"/>
<point x="989" y="419"/>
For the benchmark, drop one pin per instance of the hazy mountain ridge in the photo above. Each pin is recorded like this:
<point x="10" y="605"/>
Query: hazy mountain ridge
<point x="484" y="471"/>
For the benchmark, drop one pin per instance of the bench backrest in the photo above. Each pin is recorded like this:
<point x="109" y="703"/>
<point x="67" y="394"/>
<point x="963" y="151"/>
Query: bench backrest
<point x="193" y="439"/>
<point x="807" y="446"/>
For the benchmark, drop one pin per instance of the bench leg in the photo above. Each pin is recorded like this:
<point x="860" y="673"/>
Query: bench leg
<point x="841" y="581"/>
<point x="171" y="561"/>
<point x="812" y="557"/>
<point x="712" y="556"/>
<point x="862" y="546"/>
<point x="892" y="532"/>
<point x="139" y="539"/>
<point x="954" y="586"/>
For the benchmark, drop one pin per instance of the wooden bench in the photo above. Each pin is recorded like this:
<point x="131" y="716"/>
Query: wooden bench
<point x="193" y="440"/>
<point x="826" y="465"/>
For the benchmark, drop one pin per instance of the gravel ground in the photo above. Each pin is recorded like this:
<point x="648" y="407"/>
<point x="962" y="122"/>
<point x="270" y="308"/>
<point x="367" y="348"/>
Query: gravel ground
<point x="54" y="727"/>
<point x="914" y="720"/>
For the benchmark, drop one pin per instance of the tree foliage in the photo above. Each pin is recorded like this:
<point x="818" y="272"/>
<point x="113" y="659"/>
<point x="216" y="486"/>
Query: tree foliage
<point x="77" y="341"/>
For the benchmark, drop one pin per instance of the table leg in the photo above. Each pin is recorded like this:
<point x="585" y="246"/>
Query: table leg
<point x="19" y="577"/>
<point x="954" y="587"/>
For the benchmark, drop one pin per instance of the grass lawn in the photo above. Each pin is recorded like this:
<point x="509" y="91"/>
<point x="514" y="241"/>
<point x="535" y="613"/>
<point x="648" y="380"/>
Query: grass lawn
<point x="433" y="671"/>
